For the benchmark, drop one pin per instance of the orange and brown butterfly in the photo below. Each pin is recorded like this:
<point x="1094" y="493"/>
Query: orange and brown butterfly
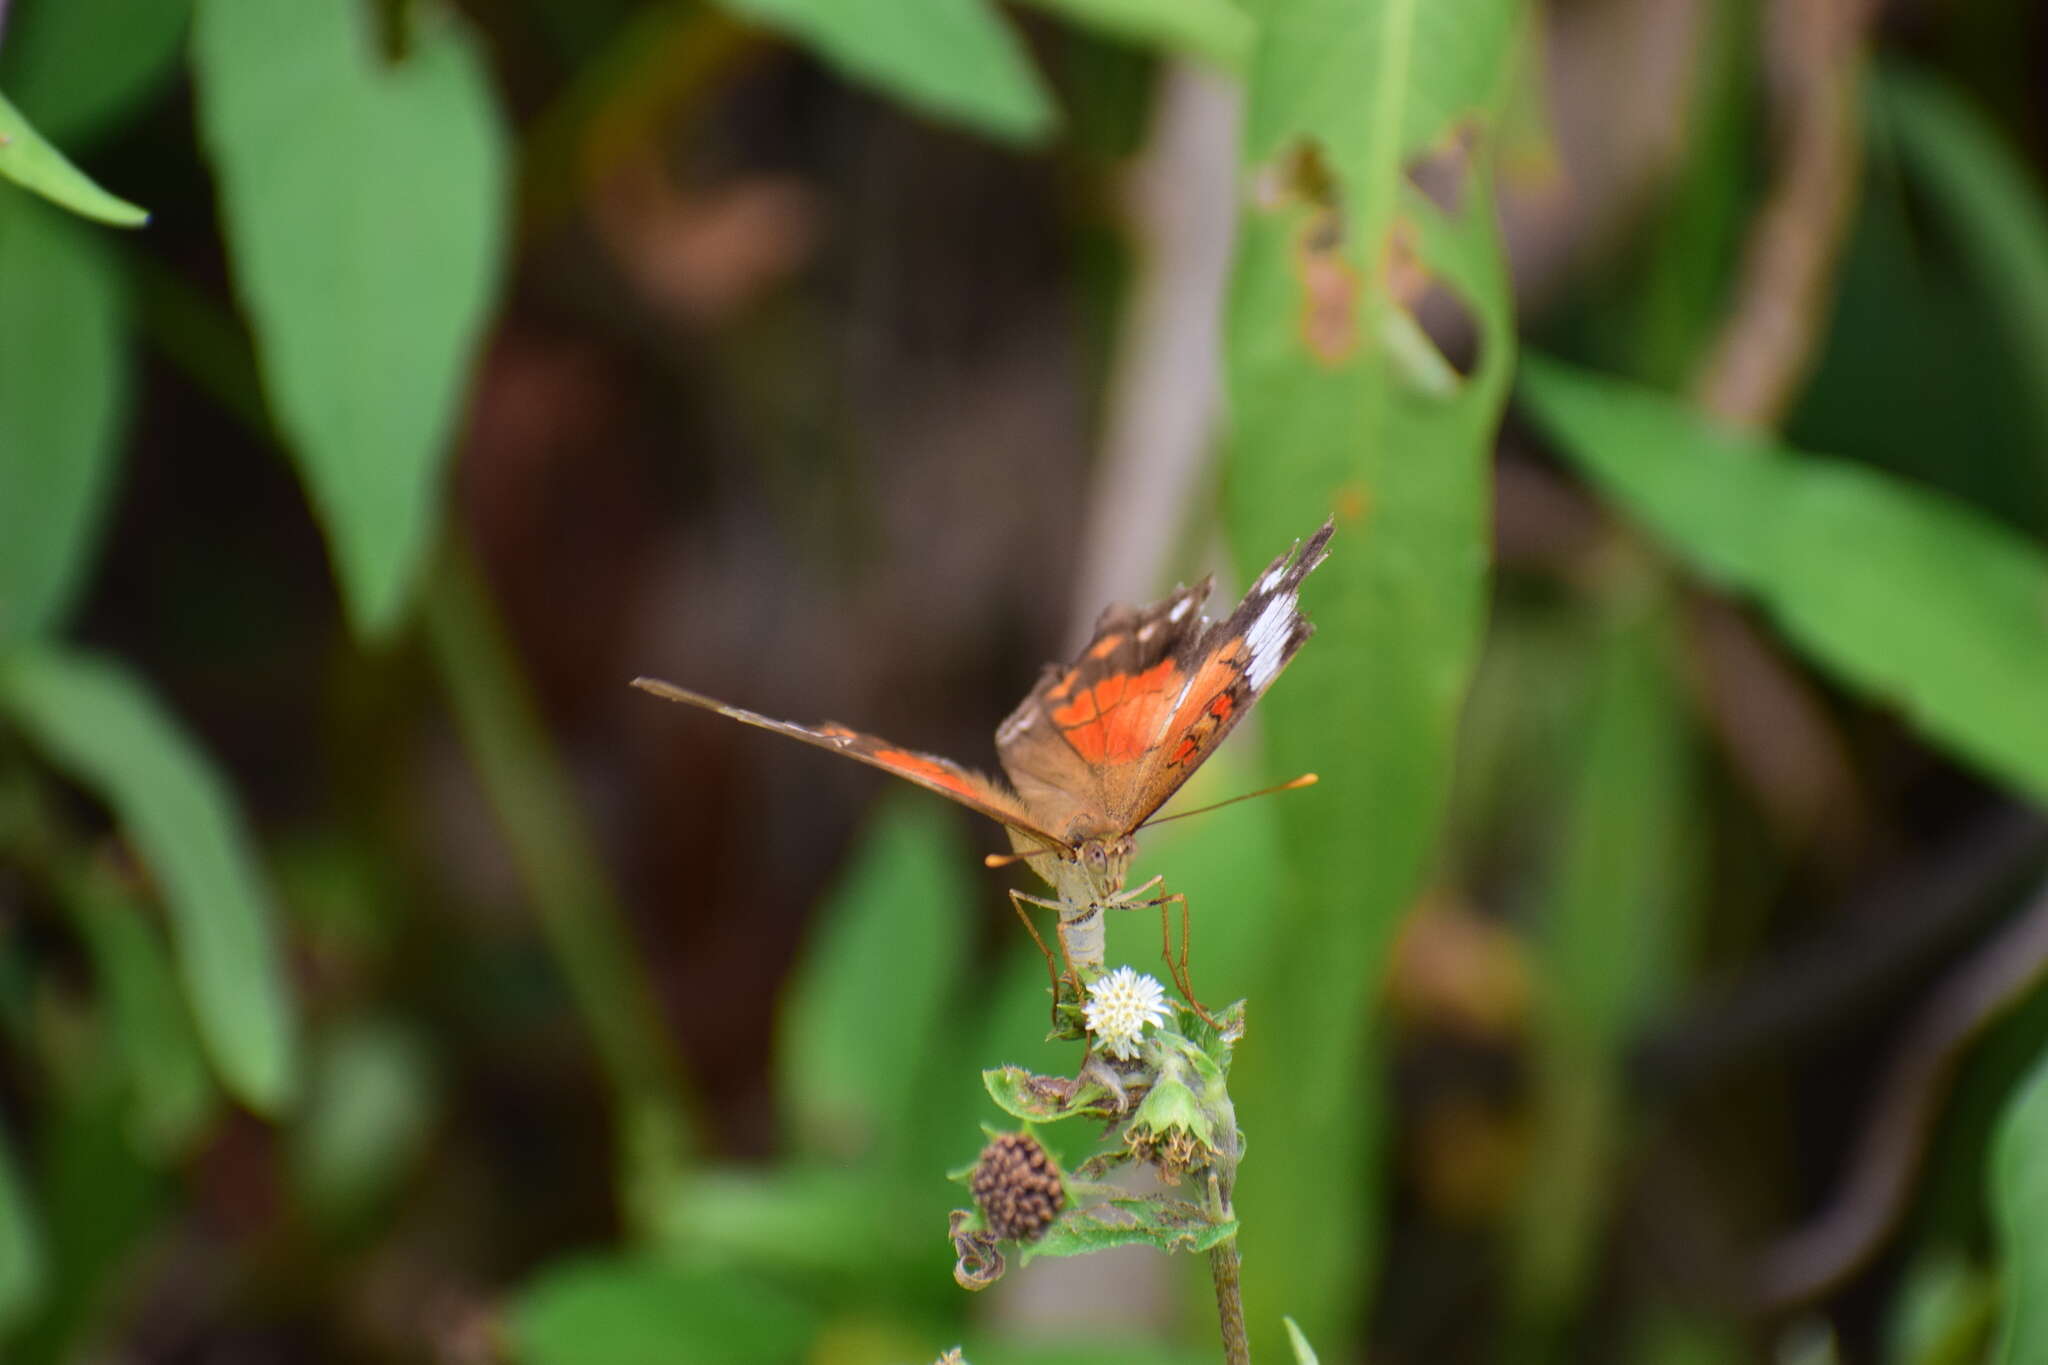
<point x="1102" y="742"/>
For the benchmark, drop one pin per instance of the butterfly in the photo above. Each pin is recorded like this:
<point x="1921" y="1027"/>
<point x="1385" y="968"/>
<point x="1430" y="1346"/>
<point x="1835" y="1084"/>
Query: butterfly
<point x="1105" y="740"/>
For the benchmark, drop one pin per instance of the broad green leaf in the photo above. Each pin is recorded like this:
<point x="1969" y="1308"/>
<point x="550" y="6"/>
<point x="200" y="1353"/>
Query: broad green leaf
<point x="1607" y="944"/>
<point x="370" y="1102"/>
<point x="172" y="1095"/>
<point x="31" y="162"/>
<point x="63" y="66"/>
<point x="103" y="728"/>
<point x="1343" y="99"/>
<point x="875" y="994"/>
<point x="364" y="206"/>
<point x="63" y="401"/>
<point x="1991" y="204"/>
<point x="2019" y="1202"/>
<point x="21" y="1248"/>
<point x="953" y="59"/>
<point x="622" y="1310"/>
<point x="1917" y="602"/>
<point x="1216" y="29"/>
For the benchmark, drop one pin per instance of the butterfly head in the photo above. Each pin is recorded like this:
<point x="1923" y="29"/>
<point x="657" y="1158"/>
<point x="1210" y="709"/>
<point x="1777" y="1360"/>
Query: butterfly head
<point x="1090" y="871"/>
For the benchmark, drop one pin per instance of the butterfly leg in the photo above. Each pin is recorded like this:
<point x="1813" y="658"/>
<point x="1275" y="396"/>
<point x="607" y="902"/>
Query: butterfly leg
<point x="1019" y="900"/>
<point x="1178" y="968"/>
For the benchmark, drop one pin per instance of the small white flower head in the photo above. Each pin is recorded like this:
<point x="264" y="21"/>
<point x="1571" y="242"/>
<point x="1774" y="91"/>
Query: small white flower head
<point x="1119" y="1006"/>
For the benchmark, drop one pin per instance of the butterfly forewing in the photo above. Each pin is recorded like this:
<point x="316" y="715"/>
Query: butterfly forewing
<point x="971" y="789"/>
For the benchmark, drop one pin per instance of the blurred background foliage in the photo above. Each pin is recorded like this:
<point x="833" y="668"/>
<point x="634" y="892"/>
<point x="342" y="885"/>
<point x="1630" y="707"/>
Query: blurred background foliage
<point x="1652" y="977"/>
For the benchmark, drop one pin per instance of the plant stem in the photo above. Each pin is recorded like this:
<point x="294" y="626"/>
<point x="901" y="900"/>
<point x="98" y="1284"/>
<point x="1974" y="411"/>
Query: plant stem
<point x="579" y="914"/>
<point x="1224" y="1265"/>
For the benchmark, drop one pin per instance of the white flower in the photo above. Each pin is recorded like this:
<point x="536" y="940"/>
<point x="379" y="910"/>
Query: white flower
<point x="1119" y="1006"/>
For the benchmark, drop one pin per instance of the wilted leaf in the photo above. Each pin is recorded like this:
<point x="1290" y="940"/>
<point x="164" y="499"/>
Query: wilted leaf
<point x="1169" y="1224"/>
<point x="1345" y="100"/>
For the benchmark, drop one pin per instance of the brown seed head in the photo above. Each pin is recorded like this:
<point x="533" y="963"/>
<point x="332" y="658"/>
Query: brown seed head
<point x="1017" y="1188"/>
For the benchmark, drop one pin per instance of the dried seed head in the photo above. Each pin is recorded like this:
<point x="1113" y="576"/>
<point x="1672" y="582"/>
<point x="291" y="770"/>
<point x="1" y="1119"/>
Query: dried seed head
<point x="1017" y="1187"/>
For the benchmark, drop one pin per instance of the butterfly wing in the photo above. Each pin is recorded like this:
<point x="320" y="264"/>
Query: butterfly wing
<point x="1101" y="744"/>
<point x="929" y="771"/>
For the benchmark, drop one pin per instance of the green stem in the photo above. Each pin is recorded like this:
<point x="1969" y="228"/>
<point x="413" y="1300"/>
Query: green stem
<point x="579" y="914"/>
<point x="1224" y="1267"/>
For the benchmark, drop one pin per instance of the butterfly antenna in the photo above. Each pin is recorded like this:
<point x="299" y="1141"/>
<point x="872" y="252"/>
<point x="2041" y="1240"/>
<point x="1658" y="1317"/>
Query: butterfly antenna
<point x="1305" y="780"/>
<point x="1005" y="859"/>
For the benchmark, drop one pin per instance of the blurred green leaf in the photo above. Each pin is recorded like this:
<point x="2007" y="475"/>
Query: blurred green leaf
<point x="173" y="1096"/>
<point x="1667" y="1337"/>
<point x="798" y="1219"/>
<point x="2019" y="1202"/>
<point x="1943" y="1312"/>
<point x="1216" y="29"/>
<point x="1344" y="99"/>
<point x="1991" y="203"/>
<point x="1607" y="943"/>
<point x="69" y="71"/>
<point x="21" y="1248"/>
<point x="873" y="1000"/>
<point x="369" y="1105"/>
<point x="954" y="59"/>
<point x="32" y="163"/>
<point x="1304" y="1354"/>
<point x="99" y="1200"/>
<point x="364" y="205"/>
<point x="1916" y="601"/>
<point x="103" y="728"/>
<point x="642" y="1311"/>
<point x="63" y="402"/>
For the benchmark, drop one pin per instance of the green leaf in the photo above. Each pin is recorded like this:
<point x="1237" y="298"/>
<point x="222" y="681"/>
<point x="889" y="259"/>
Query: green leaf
<point x="642" y="1311"/>
<point x="1608" y="942"/>
<point x="1918" y="603"/>
<point x="798" y="1219"/>
<point x="1992" y="205"/>
<point x="21" y="1248"/>
<point x="370" y="1102"/>
<point x="876" y="991"/>
<point x="173" y="1096"/>
<point x="1043" y="1099"/>
<point x="63" y="71"/>
<point x="364" y="206"/>
<point x="100" y="726"/>
<point x="1216" y="29"/>
<point x="33" y="164"/>
<point x="1343" y="99"/>
<point x="1169" y="1224"/>
<point x="2019" y="1201"/>
<point x="1943" y="1311"/>
<point x="63" y="402"/>
<point x="954" y="59"/>
<point x="1304" y="1354"/>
